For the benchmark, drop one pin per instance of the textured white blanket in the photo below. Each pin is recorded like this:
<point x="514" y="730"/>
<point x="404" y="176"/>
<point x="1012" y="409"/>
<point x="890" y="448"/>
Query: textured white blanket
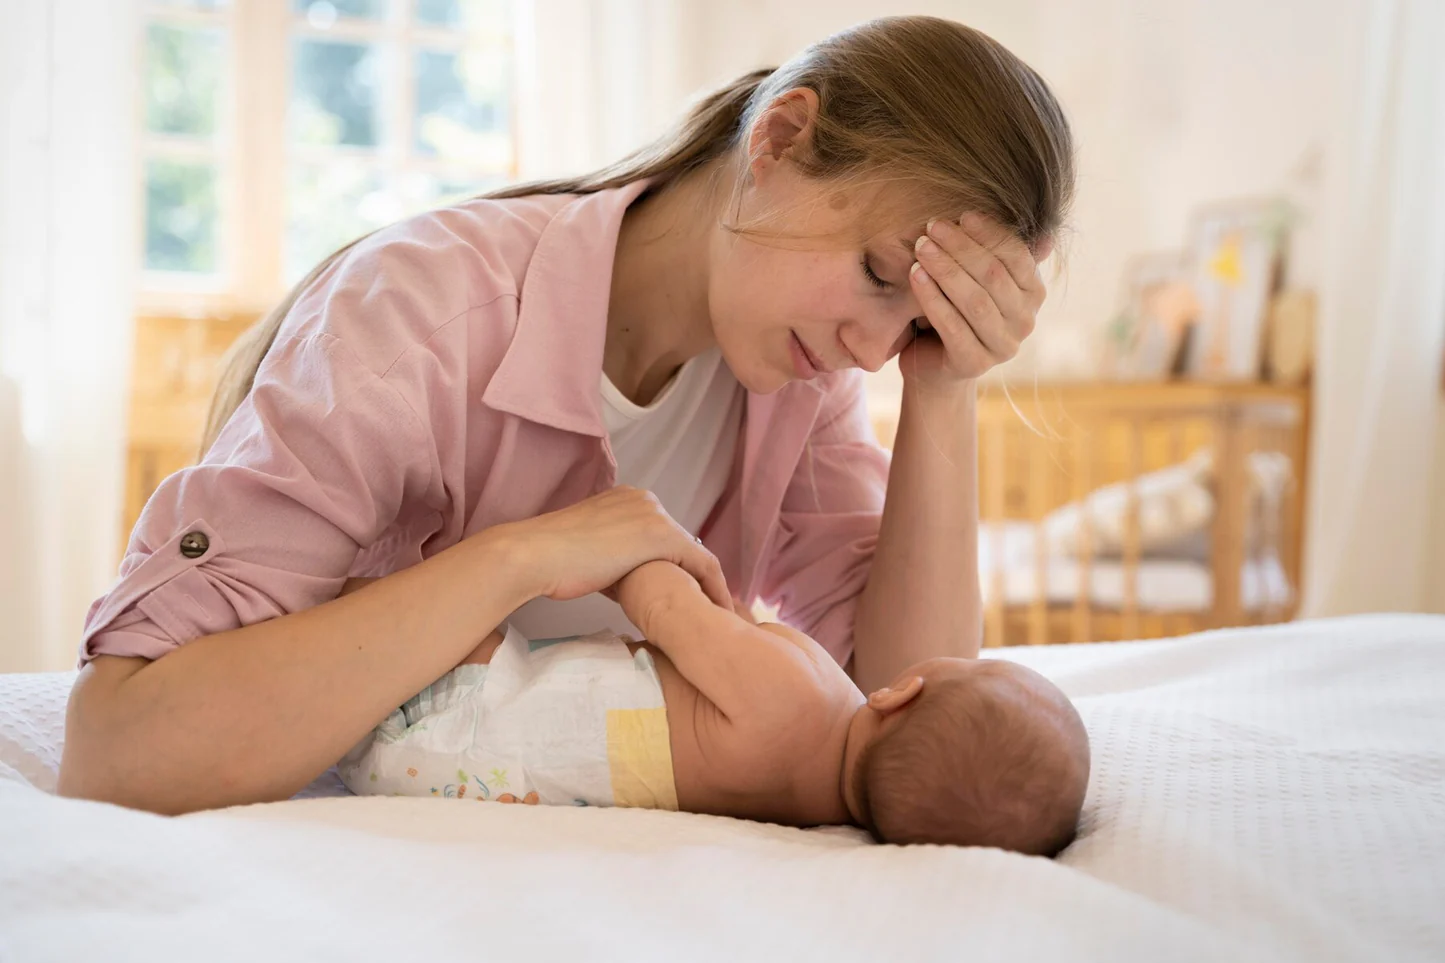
<point x="1261" y="794"/>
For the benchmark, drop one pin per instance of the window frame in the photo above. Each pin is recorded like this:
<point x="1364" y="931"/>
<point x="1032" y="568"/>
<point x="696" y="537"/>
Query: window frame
<point x="253" y="150"/>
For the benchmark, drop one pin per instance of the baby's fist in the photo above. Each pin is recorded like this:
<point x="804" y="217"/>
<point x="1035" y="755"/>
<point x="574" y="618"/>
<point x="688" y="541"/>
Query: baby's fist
<point x="649" y="584"/>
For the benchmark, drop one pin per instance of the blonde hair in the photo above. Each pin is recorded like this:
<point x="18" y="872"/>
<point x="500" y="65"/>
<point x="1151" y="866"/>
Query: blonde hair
<point x="932" y="104"/>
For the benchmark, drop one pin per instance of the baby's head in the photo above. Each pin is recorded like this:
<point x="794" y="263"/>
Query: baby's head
<point x="970" y="752"/>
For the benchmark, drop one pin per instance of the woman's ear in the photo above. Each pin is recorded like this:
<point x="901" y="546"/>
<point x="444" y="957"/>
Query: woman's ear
<point x="892" y="699"/>
<point x="1043" y="249"/>
<point x="787" y="122"/>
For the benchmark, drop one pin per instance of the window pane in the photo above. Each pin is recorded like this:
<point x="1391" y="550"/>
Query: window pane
<point x="323" y="13"/>
<point x="421" y="190"/>
<point x="452" y="191"/>
<point x="462" y="106"/>
<point x="331" y="204"/>
<point x="439" y="13"/>
<point x="183" y="76"/>
<point x="474" y="14"/>
<point x="182" y="216"/>
<point x="334" y="94"/>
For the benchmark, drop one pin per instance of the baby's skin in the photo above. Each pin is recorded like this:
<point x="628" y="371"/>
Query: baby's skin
<point x="764" y="724"/>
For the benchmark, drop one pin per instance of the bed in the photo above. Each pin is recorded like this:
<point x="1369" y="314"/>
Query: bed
<point x="1266" y="793"/>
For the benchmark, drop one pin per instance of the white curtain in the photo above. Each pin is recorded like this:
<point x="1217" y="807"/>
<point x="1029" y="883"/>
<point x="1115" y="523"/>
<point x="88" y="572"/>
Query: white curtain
<point x="69" y="230"/>
<point x="1382" y="320"/>
<point x="596" y="79"/>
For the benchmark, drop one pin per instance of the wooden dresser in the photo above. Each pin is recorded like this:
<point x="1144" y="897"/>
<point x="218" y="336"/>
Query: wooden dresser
<point x="174" y="371"/>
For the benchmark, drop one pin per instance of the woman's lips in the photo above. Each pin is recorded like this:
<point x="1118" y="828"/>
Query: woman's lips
<point x="803" y="364"/>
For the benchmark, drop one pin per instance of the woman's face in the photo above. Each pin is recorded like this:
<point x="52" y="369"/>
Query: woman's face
<point x="784" y="309"/>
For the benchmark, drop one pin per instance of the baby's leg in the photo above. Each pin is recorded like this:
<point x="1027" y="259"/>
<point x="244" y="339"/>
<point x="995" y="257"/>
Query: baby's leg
<point x="482" y="654"/>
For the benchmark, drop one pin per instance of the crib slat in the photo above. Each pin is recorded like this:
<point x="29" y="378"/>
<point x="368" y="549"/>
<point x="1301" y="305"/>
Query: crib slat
<point x="993" y="615"/>
<point x="1283" y="530"/>
<point x="1131" y="528"/>
<point x="1082" y="485"/>
<point x="1232" y="488"/>
<point x="1299" y="421"/>
<point x="1038" y="476"/>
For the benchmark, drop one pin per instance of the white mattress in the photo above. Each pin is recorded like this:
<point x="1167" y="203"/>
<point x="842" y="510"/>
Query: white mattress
<point x="1274" y="793"/>
<point x="1164" y="585"/>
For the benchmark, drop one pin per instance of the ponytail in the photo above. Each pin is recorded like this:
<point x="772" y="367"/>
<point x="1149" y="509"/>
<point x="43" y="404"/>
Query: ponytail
<point x="707" y="131"/>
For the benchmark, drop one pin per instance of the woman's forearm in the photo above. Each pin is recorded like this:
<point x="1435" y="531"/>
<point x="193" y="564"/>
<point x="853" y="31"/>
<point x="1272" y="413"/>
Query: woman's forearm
<point x="922" y="598"/>
<point x="256" y="713"/>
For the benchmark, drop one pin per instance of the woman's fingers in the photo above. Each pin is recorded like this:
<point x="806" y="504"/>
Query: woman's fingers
<point x="590" y="546"/>
<point x="959" y="337"/>
<point x="688" y="551"/>
<point x="970" y="315"/>
<point x="704" y="566"/>
<point x="976" y="271"/>
<point x="972" y="258"/>
<point x="999" y="244"/>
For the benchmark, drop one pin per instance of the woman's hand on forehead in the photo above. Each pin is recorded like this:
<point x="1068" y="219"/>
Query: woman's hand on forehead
<point x="980" y="289"/>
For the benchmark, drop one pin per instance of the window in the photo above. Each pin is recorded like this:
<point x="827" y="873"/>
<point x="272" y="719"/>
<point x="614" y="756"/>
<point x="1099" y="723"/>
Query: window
<point x="185" y="79"/>
<point x="278" y="130"/>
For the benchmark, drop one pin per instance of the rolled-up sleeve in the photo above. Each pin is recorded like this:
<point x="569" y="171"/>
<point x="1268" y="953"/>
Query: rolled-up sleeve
<point x="829" y="522"/>
<point x="313" y="466"/>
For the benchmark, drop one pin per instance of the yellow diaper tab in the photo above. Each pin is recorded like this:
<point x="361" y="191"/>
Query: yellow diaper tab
<point x="639" y="752"/>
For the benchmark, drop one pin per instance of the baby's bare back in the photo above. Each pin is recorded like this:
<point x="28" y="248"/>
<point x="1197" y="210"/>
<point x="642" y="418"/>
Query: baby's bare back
<point x="716" y="767"/>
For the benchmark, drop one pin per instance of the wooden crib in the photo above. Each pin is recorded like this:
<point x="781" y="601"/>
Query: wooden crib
<point x="1042" y="577"/>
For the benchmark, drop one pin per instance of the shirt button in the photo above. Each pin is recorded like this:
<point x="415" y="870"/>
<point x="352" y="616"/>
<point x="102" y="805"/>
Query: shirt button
<point x="195" y="544"/>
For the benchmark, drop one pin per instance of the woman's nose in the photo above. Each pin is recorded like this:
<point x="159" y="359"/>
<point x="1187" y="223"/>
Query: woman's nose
<point x="873" y="345"/>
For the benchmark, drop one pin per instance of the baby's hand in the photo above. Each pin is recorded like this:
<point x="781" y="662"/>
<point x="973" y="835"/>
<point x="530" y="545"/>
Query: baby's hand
<point x="649" y="584"/>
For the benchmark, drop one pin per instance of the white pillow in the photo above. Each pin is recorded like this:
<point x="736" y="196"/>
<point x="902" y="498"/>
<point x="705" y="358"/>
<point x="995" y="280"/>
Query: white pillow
<point x="32" y="725"/>
<point x="1176" y="507"/>
<point x="1174" y="503"/>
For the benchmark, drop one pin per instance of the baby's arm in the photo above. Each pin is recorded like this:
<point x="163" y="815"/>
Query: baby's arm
<point x="747" y="671"/>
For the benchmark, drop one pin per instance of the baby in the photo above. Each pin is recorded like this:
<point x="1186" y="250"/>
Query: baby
<point x="714" y="714"/>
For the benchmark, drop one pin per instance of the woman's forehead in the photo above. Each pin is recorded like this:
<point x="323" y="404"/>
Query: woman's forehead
<point x="885" y="213"/>
<point x="882" y="216"/>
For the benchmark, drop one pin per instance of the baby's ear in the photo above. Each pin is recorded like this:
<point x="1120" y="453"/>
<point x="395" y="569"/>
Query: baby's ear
<point x="892" y="699"/>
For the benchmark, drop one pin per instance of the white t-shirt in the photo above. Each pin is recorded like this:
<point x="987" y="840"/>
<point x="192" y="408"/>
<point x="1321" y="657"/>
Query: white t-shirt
<point x="680" y="448"/>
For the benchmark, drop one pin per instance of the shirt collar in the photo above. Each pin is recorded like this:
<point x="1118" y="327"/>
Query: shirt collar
<point x="550" y="370"/>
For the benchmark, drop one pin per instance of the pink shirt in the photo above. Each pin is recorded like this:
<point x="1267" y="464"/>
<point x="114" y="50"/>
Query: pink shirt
<point x="441" y="378"/>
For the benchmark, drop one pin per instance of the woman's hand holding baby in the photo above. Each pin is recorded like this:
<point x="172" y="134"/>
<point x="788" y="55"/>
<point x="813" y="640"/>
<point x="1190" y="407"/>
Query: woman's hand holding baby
<point x="576" y="551"/>
<point x="981" y="290"/>
<point x="588" y="547"/>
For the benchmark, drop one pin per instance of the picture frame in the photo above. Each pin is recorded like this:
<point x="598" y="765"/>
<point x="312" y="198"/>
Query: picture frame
<point x="1145" y="338"/>
<point x="1236" y="251"/>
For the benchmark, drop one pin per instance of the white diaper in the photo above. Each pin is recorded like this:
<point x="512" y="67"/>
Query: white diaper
<point x="577" y="721"/>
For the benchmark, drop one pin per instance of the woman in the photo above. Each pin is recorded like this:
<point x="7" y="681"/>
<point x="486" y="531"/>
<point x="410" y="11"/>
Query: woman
<point x="426" y="403"/>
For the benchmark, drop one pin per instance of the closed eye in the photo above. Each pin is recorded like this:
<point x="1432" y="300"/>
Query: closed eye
<point x="873" y="279"/>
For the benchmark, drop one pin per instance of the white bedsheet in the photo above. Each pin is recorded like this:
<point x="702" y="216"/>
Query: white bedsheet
<point x="1272" y="793"/>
